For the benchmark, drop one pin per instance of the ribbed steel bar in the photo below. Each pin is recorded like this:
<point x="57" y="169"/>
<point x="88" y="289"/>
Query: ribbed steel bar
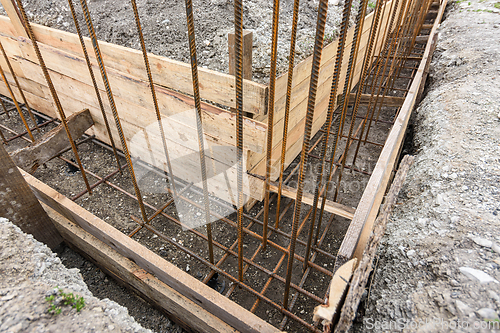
<point x="153" y="95"/>
<point x="329" y="119"/>
<point x="238" y="56"/>
<point x="374" y="37"/>
<point x="331" y="172"/>
<point x="232" y="279"/>
<point x="311" y="102"/>
<point x="94" y="83"/>
<point x="21" y="92"/>
<point x="270" y="116"/>
<point x="286" y="116"/>
<point x="53" y="92"/>
<point x="307" y="271"/>
<point x="400" y="43"/>
<point x="359" y="27"/>
<point x="7" y="84"/>
<point x="418" y="15"/>
<point x="375" y="89"/>
<point x="199" y="124"/>
<point x="109" y="93"/>
<point x="339" y="128"/>
<point x="360" y="19"/>
<point x="5" y="110"/>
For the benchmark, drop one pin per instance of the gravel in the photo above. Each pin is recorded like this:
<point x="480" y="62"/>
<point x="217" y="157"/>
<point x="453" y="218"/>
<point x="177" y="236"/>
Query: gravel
<point x="165" y="32"/>
<point x="438" y="267"/>
<point x="30" y="271"/>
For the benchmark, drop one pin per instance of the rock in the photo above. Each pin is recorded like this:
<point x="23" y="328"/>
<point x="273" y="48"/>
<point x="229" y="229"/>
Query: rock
<point x="494" y="295"/>
<point x="495" y="248"/>
<point x="475" y="274"/>
<point x="410" y="253"/>
<point x="482" y="242"/>
<point x="463" y="308"/>
<point x="488" y="314"/>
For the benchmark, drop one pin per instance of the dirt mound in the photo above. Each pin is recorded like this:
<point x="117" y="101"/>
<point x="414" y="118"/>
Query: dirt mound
<point x="30" y="272"/>
<point x="438" y="266"/>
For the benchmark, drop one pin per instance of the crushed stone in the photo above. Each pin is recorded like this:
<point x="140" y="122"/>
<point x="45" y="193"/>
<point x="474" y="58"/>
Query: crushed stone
<point x="29" y="271"/>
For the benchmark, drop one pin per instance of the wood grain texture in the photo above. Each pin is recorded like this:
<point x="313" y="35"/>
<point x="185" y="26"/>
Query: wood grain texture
<point x="191" y="288"/>
<point x="52" y="142"/>
<point x="183" y="311"/>
<point x="362" y="273"/>
<point x="15" y="18"/>
<point x="21" y="207"/>
<point x="214" y="86"/>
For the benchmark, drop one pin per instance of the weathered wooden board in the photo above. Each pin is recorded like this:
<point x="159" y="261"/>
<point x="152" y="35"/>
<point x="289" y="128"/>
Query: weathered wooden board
<point x="193" y="289"/>
<point x="184" y="311"/>
<point x="217" y="123"/>
<point x="20" y="206"/>
<point x="214" y="86"/>
<point x="52" y="142"/>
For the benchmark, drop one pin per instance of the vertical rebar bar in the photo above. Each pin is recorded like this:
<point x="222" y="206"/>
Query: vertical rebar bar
<point x="199" y="124"/>
<point x="153" y="95"/>
<point x="94" y="83"/>
<point x="238" y="57"/>
<point x="109" y="93"/>
<point x="53" y="92"/>
<point x="331" y="106"/>
<point x="311" y="103"/>
<point x="270" y="117"/>
<point x="286" y="116"/>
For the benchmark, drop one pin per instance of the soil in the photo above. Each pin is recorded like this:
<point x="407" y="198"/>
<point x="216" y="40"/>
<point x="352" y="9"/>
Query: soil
<point x="165" y="31"/>
<point x="433" y="231"/>
<point x="30" y="273"/>
<point x="441" y="245"/>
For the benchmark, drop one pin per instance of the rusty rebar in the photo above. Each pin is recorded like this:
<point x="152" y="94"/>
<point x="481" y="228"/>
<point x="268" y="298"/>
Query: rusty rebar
<point x="199" y="123"/>
<point x="286" y="116"/>
<point x="94" y="83"/>
<point x="53" y="92"/>
<point x="311" y="102"/>
<point x="270" y="116"/>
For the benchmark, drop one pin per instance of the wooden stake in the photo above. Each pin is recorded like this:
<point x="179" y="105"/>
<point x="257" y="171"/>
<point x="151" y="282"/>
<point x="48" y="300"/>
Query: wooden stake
<point x="21" y="207"/>
<point x="247" y="53"/>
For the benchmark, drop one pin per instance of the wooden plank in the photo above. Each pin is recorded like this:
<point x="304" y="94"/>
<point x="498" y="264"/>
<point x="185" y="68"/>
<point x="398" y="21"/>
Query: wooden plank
<point x="308" y="199"/>
<point x="136" y="120"/>
<point x="15" y="18"/>
<point x="362" y="223"/>
<point x="388" y="100"/>
<point x="422" y="39"/>
<point x="188" y="286"/>
<point x="214" y="86"/>
<point x="338" y="287"/>
<point x="6" y="26"/>
<point x="52" y="142"/>
<point x="217" y="123"/>
<point x="20" y="206"/>
<point x="362" y="273"/>
<point x="183" y="311"/>
<point x="247" y="53"/>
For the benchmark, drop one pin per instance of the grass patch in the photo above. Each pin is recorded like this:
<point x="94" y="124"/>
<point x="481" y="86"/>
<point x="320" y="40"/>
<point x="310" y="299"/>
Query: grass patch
<point x="60" y="298"/>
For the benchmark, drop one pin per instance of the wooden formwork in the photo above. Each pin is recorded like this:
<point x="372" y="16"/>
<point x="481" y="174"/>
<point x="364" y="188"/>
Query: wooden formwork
<point x="125" y="66"/>
<point x="187" y="299"/>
